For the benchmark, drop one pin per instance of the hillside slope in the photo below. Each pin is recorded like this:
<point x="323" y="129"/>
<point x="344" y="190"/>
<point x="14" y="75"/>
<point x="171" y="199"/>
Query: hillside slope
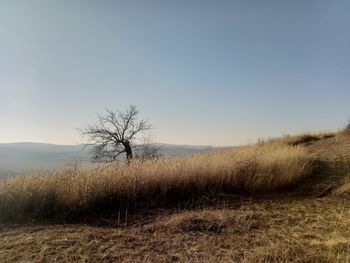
<point x="309" y="222"/>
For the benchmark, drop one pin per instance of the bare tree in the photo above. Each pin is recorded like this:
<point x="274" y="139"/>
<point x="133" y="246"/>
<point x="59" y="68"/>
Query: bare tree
<point x="114" y="134"/>
<point x="147" y="150"/>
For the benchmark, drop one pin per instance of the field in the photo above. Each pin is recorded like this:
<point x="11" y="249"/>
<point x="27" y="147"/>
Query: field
<point x="282" y="200"/>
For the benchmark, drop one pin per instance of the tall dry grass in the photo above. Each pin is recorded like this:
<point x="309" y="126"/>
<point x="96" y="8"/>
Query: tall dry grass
<point x="74" y="193"/>
<point x="301" y="139"/>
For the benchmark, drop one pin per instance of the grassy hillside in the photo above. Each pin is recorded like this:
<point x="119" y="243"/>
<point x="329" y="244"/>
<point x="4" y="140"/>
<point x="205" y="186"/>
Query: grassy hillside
<point x="77" y="193"/>
<point x="283" y="200"/>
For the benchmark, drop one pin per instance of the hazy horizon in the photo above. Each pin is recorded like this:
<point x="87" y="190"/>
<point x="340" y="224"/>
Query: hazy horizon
<point x="218" y="73"/>
<point x="78" y="144"/>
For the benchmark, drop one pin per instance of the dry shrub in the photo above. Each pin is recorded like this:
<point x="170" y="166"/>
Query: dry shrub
<point x="76" y="193"/>
<point x="344" y="135"/>
<point x="347" y="130"/>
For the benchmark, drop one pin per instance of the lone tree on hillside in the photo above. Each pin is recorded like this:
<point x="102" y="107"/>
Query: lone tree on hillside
<point x="114" y="134"/>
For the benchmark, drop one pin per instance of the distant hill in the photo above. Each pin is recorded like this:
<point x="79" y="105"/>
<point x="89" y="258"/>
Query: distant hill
<point x="24" y="156"/>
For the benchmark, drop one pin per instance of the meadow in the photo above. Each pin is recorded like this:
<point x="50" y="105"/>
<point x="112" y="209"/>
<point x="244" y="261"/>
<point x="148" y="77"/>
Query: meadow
<point x="73" y="193"/>
<point x="280" y="200"/>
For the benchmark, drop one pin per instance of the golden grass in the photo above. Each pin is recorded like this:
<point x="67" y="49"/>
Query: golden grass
<point x="75" y="193"/>
<point x="301" y="139"/>
<point x="344" y="135"/>
<point x="311" y="230"/>
<point x="344" y="189"/>
<point x="299" y="228"/>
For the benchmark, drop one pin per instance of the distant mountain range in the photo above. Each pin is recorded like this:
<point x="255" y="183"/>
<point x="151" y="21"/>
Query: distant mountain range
<point x="26" y="157"/>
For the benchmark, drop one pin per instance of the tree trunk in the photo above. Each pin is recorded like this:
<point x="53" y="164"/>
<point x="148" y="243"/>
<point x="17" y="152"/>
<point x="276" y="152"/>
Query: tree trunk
<point x="128" y="151"/>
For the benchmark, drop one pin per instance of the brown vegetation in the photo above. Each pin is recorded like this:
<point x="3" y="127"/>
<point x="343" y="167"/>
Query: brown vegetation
<point x="77" y="193"/>
<point x="250" y="231"/>
<point x="303" y="139"/>
<point x="293" y="225"/>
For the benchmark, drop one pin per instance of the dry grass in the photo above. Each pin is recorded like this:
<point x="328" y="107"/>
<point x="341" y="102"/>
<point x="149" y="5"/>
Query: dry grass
<point x="77" y="193"/>
<point x="344" y="189"/>
<point x="344" y="135"/>
<point x="302" y="139"/>
<point x="299" y="231"/>
<point x="347" y="129"/>
<point x="295" y="227"/>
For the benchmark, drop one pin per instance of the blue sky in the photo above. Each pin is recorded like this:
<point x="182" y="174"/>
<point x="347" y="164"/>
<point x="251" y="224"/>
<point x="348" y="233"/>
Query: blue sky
<point x="203" y="72"/>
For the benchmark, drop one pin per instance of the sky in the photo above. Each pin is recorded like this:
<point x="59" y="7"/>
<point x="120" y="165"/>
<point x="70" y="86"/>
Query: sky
<point x="202" y="72"/>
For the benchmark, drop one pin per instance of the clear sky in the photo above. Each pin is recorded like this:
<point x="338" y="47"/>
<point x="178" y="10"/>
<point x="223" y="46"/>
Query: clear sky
<point x="203" y="72"/>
